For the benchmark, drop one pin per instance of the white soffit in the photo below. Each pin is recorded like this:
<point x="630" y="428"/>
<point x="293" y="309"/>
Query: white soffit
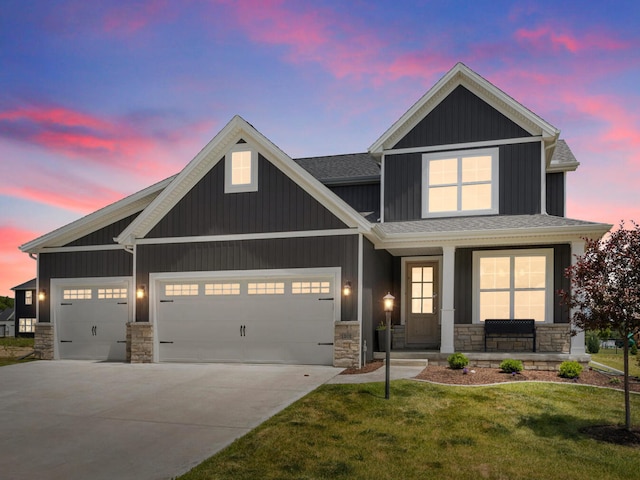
<point x="97" y="220"/>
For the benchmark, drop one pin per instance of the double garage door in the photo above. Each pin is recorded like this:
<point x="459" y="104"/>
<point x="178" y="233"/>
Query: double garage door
<point x="274" y="319"/>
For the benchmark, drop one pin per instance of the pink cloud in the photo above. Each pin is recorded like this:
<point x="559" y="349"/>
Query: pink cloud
<point x="16" y="267"/>
<point x="549" y="37"/>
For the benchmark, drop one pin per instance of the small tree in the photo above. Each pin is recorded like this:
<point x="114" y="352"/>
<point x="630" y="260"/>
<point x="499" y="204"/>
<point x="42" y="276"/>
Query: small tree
<point x="605" y="283"/>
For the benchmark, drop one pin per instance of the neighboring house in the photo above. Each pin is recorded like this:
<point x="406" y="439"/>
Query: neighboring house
<point x="7" y="323"/>
<point x="25" y="309"/>
<point x="458" y="210"/>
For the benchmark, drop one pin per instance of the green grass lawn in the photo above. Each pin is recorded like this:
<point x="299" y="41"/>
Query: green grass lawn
<point x="514" y="431"/>
<point x="16" y="342"/>
<point x="609" y="356"/>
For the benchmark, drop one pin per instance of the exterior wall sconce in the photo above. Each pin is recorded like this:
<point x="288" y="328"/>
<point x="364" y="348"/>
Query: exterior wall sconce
<point x="42" y="295"/>
<point x="387" y="302"/>
<point x="141" y="292"/>
<point x="346" y="289"/>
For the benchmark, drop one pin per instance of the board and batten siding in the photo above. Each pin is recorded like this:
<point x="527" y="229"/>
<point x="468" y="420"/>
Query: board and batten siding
<point x="519" y="183"/>
<point x="105" y="235"/>
<point x="555" y="194"/>
<point x="104" y="263"/>
<point x="463" y="287"/>
<point x="279" y="205"/>
<point x="282" y="253"/>
<point x="460" y="118"/>
<point x="362" y="198"/>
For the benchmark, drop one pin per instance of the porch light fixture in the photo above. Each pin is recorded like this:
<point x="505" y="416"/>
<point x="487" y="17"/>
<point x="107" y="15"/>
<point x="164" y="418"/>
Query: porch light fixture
<point x="346" y="289"/>
<point x="42" y="295"/>
<point x="141" y="292"/>
<point x="387" y="302"/>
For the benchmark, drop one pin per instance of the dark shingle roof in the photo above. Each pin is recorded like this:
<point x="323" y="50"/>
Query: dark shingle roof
<point x="6" y="314"/>
<point x="563" y="156"/>
<point x="486" y="223"/>
<point x="342" y="168"/>
<point x="30" y="285"/>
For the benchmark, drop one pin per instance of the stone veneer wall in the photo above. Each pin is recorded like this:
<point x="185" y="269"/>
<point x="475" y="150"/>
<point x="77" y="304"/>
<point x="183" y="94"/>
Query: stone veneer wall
<point x="346" y="344"/>
<point x="139" y="342"/>
<point x="43" y="341"/>
<point x="550" y="338"/>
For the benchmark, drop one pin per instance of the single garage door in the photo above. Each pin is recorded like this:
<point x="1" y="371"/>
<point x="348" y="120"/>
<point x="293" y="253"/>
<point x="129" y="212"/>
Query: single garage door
<point x="259" y="320"/>
<point x="91" y="322"/>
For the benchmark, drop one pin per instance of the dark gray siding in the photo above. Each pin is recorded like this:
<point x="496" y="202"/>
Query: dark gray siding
<point x="107" y="263"/>
<point x="402" y="187"/>
<point x="377" y="280"/>
<point x="464" y="271"/>
<point x="519" y="183"/>
<point x="520" y="179"/>
<point x="461" y="117"/>
<point x="279" y="205"/>
<point x="363" y="198"/>
<point x="105" y="235"/>
<point x="555" y="194"/>
<point x="337" y="251"/>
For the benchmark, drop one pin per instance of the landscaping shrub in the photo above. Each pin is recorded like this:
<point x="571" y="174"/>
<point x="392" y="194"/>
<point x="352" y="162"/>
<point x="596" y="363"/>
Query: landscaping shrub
<point x="511" y="366"/>
<point x="593" y="342"/>
<point x="457" y="361"/>
<point x="570" y="369"/>
<point x="634" y="349"/>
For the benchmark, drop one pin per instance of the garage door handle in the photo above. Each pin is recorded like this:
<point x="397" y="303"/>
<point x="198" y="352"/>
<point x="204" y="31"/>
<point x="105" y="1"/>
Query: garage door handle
<point x="66" y="303"/>
<point x="122" y="303"/>
<point x="164" y="342"/>
<point x="325" y="343"/>
<point x="121" y="341"/>
<point x="166" y="301"/>
<point x="66" y="341"/>
<point x="331" y="298"/>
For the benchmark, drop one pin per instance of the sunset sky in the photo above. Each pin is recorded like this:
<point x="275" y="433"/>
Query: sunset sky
<point x="99" y="99"/>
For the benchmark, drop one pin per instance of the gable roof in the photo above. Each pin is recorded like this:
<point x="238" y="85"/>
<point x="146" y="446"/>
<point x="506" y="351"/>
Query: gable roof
<point x="96" y="220"/>
<point x="562" y="159"/>
<point x="237" y="129"/>
<point x="460" y="74"/>
<point x="349" y="168"/>
<point x="6" y="315"/>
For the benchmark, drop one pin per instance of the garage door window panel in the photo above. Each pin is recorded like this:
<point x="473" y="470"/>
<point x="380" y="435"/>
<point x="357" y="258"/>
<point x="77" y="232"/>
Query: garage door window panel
<point x="222" y="289"/>
<point x="182" y="290"/>
<point x="77" y="294"/>
<point x="110" y="293"/>
<point x="301" y="288"/>
<point x="265" y="288"/>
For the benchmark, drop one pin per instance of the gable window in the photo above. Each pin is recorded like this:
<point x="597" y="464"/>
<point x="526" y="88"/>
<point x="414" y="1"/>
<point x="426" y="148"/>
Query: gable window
<point x="514" y="284"/>
<point x="28" y="297"/>
<point x="241" y="169"/>
<point x="460" y="183"/>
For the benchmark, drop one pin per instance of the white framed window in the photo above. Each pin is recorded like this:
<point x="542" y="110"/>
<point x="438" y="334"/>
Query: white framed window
<point x="241" y="169"/>
<point x="222" y="289"/>
<point x="27" y="325"/>
<point x="265" y="288"/>
<point x="108" y="293"/>
<point x="181" y="290"/>
<point x="460" y="183"/>
<point x="28" y="297"/>
<point x="76" y="294"/>
<point x="513" y="284"/>
<point x="301" y="288"/>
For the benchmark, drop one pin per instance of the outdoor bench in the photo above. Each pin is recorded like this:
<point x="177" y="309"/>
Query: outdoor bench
<point x="511" y="329"/>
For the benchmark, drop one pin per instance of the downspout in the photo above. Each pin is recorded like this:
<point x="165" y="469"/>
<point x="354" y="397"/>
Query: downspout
<point x="543" y="176"/>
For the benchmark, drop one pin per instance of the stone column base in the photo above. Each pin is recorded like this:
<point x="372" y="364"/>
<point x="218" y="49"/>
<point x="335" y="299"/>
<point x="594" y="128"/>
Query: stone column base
<point x="43" y="341"/>
<point x="139" y="342"/>
<point x="346" y="344"/>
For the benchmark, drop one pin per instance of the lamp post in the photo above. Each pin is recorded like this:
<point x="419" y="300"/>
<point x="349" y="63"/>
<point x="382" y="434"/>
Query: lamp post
<point x="388" y="308"/>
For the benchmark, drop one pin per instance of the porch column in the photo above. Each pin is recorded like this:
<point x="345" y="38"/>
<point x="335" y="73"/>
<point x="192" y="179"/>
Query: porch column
<point x="577" y="341"/>
<point x="446" y="302"/>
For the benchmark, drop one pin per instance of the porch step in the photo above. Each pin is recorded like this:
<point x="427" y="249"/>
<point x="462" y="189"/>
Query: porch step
<point x="408" y="362"/>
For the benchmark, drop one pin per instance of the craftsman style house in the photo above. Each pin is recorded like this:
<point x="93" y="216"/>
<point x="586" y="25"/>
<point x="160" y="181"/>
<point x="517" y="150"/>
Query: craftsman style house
<point x="248" y="255"/>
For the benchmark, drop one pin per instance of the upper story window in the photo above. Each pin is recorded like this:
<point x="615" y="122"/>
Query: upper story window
<point x="28" y="297"/>
<point x="241" y="169"/>
<point x="460" y="183"/>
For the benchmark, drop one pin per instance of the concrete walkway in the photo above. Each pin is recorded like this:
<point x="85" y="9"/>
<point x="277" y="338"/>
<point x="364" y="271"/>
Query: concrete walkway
<point x="86" y="420"/>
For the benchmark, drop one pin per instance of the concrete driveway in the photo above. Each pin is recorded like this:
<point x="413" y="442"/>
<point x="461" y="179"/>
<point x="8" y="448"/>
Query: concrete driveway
<point x="80" y="420"/>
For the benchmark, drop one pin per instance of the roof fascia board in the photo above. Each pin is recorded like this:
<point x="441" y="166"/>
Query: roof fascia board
<point x="460" y="74"/>
<point x="488" y="237"/>
<point x="210" y="155"/>
<point x="96" y="220"/>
